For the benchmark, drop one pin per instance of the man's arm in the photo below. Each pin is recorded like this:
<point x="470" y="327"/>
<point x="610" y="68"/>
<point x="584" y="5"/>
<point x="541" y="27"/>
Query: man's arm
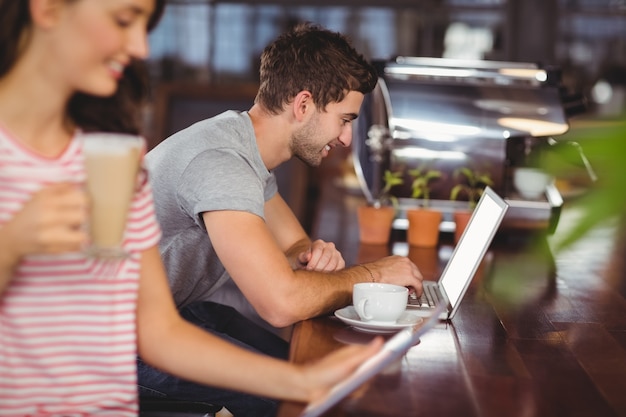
<point x="281" y="295"/>
<point x="170" y="343"/>
<point x="284" y="225"/>
<point x="295" y="243"/>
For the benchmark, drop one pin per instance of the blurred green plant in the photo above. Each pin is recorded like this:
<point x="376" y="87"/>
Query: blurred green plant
<point x="604" y="144"/>
<point x="390" y="179"/>
<point x="473" y="188"/>
<point x="525" y="274"/>
<point x="421" y="177"/>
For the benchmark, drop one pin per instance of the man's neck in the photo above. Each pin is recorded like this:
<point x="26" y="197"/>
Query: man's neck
<point x="272" y="133"/>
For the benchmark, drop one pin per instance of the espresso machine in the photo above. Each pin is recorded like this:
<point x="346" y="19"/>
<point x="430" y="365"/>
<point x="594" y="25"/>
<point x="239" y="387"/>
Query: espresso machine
<point x="447" y="114"/>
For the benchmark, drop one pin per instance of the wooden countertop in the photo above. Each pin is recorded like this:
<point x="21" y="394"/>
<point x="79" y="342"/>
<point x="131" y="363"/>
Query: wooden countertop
<point x="537" y="334"/>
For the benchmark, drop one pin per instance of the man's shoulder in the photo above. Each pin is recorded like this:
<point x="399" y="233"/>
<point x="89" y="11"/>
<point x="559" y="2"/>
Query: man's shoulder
<point x="206" y="134"/>
<point x="230" y="120"/>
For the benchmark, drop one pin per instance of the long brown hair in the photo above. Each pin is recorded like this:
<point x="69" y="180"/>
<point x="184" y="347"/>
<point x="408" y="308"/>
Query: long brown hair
<point x="120" y="112"/>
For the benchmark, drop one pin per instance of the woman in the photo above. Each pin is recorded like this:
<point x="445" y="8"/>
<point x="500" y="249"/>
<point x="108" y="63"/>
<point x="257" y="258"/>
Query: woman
<point x="71" y="326"/>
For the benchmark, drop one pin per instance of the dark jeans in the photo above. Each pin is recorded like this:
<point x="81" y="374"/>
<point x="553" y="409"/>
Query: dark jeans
<point x="226" y="323"/>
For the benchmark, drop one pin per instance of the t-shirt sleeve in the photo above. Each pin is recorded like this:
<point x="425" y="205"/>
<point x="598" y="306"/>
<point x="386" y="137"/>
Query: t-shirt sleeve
<point x="221" y="180"/>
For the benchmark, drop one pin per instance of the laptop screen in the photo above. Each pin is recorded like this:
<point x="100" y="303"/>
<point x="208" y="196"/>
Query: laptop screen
<point x="473" y="244"/>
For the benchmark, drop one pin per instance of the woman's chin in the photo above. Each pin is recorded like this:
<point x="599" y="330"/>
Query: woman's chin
<point x="100" y="88"/>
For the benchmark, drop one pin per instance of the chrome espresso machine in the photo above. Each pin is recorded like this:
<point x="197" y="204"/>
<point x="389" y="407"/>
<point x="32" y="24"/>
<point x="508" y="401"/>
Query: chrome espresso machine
<point x="447" y="114"/>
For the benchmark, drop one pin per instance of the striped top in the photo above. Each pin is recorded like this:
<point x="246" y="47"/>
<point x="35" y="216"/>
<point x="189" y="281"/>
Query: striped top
<point x="67" y="322"/>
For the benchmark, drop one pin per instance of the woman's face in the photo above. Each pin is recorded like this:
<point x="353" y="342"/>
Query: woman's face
<point x="93" y="41"/>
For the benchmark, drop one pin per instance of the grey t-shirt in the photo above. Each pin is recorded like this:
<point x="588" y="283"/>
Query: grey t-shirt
<point x="212" y="165"/>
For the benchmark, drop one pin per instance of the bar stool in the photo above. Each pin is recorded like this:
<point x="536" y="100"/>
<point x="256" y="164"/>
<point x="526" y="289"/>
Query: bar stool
<point x="156" y="407"/>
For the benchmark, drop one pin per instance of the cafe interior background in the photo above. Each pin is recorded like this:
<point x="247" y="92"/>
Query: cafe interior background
<point x="205" y="53"/>
<point x="204" y="59"/>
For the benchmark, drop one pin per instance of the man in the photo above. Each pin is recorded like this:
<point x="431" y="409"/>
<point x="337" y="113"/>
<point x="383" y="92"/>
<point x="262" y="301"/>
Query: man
<point x="228" y="235"/>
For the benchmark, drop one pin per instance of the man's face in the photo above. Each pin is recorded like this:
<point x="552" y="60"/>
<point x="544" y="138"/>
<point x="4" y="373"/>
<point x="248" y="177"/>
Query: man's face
<point x="326" y="129"/>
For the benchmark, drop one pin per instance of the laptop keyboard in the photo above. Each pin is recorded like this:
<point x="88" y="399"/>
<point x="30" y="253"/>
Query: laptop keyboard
<point x="429" y="297"/>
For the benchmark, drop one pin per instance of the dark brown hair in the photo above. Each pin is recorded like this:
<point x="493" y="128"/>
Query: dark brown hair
<point x="118" y="113"/>
<point x="314" y="59"/>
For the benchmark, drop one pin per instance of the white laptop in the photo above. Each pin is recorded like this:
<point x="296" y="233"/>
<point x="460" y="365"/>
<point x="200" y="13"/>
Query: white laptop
<point x="465" y="260"/>
<point x="393" y="349"/>
<point x="452" y="285"/>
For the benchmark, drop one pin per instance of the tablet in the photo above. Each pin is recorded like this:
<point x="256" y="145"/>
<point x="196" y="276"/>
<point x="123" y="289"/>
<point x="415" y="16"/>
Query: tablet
<point x="393" y="349"/>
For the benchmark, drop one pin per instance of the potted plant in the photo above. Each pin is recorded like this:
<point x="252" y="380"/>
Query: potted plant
<point x="376" y="219"/>
<point x="472" y="184"/>
<point x="424" y="221"/>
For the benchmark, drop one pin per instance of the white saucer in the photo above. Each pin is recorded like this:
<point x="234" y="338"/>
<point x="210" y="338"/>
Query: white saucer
<point x="349" y="316"/>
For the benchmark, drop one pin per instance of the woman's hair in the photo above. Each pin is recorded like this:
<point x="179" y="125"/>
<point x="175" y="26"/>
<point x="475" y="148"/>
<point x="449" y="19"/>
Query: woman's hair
<point x="314" y="59"/>
<point x="120" y="112"/>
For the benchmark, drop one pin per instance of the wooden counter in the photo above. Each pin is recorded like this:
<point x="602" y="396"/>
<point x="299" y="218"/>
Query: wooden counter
<point x="536" y="334"/>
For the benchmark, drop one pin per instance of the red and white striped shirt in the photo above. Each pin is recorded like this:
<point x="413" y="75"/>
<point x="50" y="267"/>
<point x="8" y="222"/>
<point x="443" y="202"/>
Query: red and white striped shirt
<point x="67" y="322"/>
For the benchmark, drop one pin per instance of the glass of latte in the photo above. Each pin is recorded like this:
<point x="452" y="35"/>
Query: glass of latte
<point x="112" y="162"/>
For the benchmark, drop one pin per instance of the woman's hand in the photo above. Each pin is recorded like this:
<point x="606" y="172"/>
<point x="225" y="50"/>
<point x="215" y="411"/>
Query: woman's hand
<point x="322" y="375"/>
<point x="52" y="221"/>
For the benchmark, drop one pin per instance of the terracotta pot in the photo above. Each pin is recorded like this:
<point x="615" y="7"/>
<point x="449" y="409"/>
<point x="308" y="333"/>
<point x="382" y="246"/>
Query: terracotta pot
<point x="461" y="218"/>
<point x="423" y="227"/>
<point x="375" y="224"/>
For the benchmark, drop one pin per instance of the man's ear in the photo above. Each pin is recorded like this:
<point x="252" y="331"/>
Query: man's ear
<point x="45" y="13"/>
<point x="303" y="104"/>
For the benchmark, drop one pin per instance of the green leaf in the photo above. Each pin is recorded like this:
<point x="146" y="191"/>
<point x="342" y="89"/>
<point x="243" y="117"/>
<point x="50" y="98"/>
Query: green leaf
<point x="605" y="147"/>
<point x="391" y="179"/>
<point x="421" y="179"/>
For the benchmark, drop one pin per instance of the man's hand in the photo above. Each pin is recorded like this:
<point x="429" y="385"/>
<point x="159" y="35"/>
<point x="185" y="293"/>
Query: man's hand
<point x="321" y="256"/>
<point x="397" y="270"/>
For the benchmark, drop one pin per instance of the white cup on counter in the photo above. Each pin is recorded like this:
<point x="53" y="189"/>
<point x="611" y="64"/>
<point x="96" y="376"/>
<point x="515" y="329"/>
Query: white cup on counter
<point x="378" y="302"/>
<point x="530" y="182"/>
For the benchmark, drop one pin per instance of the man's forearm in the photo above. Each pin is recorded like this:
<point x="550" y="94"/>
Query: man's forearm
<point x="311" y="294"/>
<point x="294" y="252"/>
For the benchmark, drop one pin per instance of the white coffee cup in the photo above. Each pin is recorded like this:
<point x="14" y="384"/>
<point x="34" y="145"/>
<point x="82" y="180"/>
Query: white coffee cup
<point x="379" y="303"/>
<point x="531" y="183"/>
<point x="112" y="163"/>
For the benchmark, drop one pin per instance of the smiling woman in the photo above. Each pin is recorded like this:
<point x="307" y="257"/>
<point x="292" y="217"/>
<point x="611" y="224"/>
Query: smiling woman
<point x="67" y="341"/>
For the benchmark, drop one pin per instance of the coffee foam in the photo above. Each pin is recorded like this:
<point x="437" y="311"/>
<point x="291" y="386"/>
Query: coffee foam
<point x="111" y="144"/>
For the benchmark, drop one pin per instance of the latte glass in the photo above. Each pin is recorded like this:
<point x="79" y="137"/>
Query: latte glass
<point x="112" y="163"/>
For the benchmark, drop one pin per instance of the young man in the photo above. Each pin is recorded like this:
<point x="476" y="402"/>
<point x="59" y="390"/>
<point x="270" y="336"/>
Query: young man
<point x="226" y="230"/>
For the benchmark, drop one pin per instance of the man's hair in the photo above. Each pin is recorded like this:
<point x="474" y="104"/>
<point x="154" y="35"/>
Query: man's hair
<point x="314" y="59"/>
